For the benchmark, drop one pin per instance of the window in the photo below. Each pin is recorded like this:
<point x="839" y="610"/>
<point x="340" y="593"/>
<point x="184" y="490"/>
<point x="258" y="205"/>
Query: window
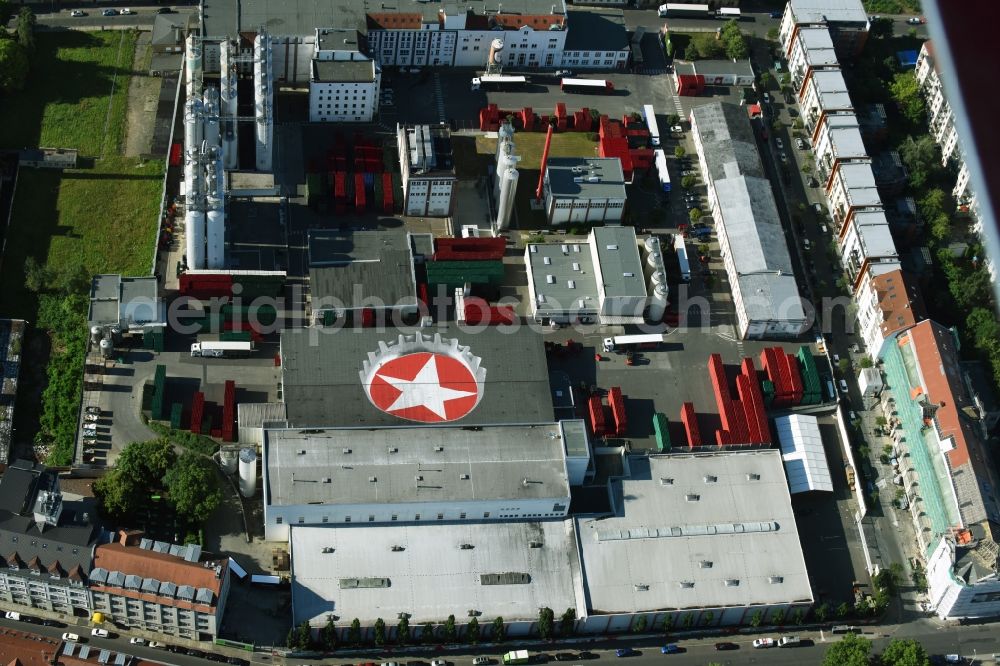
<point x="486" y="514"/>
<point x="462" y="516"/>
<point x="416" y="517"/>
<point x="347" y="519"/>
<point x="301" y="519"/>
<point x="394" y="517"/>
<point x="279" y="520"/>
<point x="440" y="516"/>
<point x="371" y="519"/>
<point x="326" y="519"/>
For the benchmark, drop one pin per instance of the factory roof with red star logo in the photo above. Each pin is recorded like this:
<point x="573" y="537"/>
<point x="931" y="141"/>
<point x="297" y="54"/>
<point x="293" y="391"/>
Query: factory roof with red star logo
<point x="412" y="377"/>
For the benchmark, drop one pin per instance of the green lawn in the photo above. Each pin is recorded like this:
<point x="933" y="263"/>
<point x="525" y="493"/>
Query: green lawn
<point x="100" y="217"/>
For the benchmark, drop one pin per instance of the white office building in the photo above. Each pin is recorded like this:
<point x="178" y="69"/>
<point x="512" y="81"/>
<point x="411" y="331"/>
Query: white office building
<point x="428" y="170"/>
<point x="822" y="93"/>
<point x="584" y="189"/>
<point x="344" y="82"/>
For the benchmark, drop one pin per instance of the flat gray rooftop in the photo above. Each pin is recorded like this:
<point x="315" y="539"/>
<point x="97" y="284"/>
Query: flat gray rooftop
<point x="727" y="137"/>
<point x="845" y="137"/>
<point x="338" y="40"/>
<point x="829" y="11"/>
<point x="831" y="89"/>
<point x="748" y="216"/>
<point x="619" y="262"/>
<point x="435" y="577"/>
<point x="596" y="29"/>
<point x="124" y="300"/>
<point x="562" y="174"/>
<point x="496" y="461"/>
<point x="321" y="374"/>
<point x="351" y="269"/>
<point x="695" y="531"/>
<point x="860" y="182"/>
<point x="551" y="271"/>
<point x="347" y="71"/>
<point x="302" y="17"/>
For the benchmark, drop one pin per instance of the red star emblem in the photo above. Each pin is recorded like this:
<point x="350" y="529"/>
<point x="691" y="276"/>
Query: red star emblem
<point x="424" y="387"/>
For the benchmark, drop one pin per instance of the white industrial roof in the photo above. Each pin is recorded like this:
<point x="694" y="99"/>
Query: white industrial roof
<point x="803" y="454"/>
<point x="831" y="89"/>
<point x="695" y="531"/>
<point x="415" y="464"/>
<point x="828" y="11"/>
<point x="433" y="576"/>
<point x="846" y="139"/>
<point x="859" y="181"/>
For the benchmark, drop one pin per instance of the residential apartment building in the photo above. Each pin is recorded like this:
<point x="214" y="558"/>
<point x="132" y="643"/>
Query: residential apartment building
<point x="867" y="248"/>
<point x="939" y="115"/>
<point x="823" y="92"/>
<point x="155" y="586"/>
<point x="846" y="20"/>
<point x="837" y="139"/>
<point x="949" y="481"/>
<point x="428" y="170"/>
<point x="344" y="82"/>
<point x="811" y="51"/>
<point x="851" y="188"/>
<point x="46" y="543"/>
<point x="888" y="303"/>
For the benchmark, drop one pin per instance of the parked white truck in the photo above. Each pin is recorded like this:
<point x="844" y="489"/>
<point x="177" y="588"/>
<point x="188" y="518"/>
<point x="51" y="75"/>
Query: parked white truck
<point x="682" y="257"/>
<point x="219" y="349"/>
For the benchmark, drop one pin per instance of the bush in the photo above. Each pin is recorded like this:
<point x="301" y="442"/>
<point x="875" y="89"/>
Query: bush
<point x="679" y="152"/>
<point x="695" y="214"/>
<point x="687" y="182"/>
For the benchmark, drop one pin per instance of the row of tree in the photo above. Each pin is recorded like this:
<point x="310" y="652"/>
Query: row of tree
<point x="729" y="43"/>
<point x="189" y="482"/>
<point x="15" y="49"/>
<point x="855" y="650"/>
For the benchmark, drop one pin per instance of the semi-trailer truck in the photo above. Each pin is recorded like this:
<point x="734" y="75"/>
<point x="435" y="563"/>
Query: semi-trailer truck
<point x="682" y="257"/>
<point x="219" y="349"/>
<point x="629" y="342"/>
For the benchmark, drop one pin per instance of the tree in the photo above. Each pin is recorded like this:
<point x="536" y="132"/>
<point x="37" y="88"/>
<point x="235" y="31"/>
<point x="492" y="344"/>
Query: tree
<point x="822" y="612"/>
<point x="778" y="617"/>
<point x="679" y="152"/>
<point x="922" y="160"/>
<point x="473" y="630"/>
<point x="851" y="651"/>
<point x="545" y="622"/>
<point x="354" y="632"/>
<point x="772" y="35"/>
<point x="844" y="365"/>
<point x="139" y="471"/>
<point x="427" y="633"/>
<point x="449" y="629"/>
<point x="687" y="182"/>
<point x="865" y="362"/>
<point x="984" y="329"/>
<point x="766" y="81"/>
<point x="36" y="276"/>
<point x="757" y="618"/>
<point x="26" y="29"/>
<point x="904" y="652"/>
<point x="668" y="623"/>
<point x="498" y="631"/>
<point x="567" y="623"/>
<point x="379" y="631"/>
<point x="70" y="278"/>
<point x="881" y="28"/>
<point x="704" y="45"/>
<point x="13" y="66"/>
<point x="708" y="618"/>
<point x="640" y="625"/>
<point x="328" y="635"/>
<point x="843" y="609"/>
<point x="300" y="637"/>
<point x="734" y="40"/>
<point x="906" y="91"/>
<point x="694" y="214"/>
<point x="193" y="488"/>
<point x="891" y="64"/>
<point x="403" y="631"/>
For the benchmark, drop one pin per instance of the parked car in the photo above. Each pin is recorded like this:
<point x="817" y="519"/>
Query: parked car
<point x="784" y="158"/>
<point x="71" y="637"/>
<point x="166" y="10"/>
<point x="812" y="182"/>
<point x="77" y="13"/>
<point x="109" y="12"/>
<point x="480" y="661"/>
<point x="916" y="20"/>
<point x="671" y="648"/>
<point x="193" y="652"/>
<point x="564" y="72"/>
<point x="676" y="129"/>
<point x="626" y="652"/>
<point x="12" y="615"/>
<point x="157" y="644"/>
<point x="779" y="143"/>
<point x="126" y="12"/>
<point x="843" y="386"/>
<point x="439" y="662"/>
<point x="727" y="646"/>
<point x="767" y="98"/>
<point x="99" y="633"/>
<point x="565" y="656"/>
<point x="800" y="143"/>
<point x="52" y="623"/>
<point x="238" y="661"/>
<point x="763" y="642"/>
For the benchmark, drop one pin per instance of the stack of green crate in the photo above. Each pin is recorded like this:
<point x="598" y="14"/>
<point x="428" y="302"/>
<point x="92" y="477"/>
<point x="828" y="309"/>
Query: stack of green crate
<point x="812" y="392"/>
<point x="767" y="388"/>
<point x="159" y="389"/>
<point x="262" y="314"/>
<point x="175" y="415"/>
<point x="662" y="430"/>
<point x="253" y="286"/>
<point x="314" y="189"/>
<point x="454" y="274"/>
<point x="236" y="336"/>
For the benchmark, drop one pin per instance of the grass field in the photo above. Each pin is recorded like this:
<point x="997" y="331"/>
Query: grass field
<point x="98" y="218"/>
<point x="529" y="146"/>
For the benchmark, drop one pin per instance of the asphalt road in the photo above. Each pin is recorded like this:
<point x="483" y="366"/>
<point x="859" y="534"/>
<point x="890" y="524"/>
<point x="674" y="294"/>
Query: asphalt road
<point x="93" y="20"/>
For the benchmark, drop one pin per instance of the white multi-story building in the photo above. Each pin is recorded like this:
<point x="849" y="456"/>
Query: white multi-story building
<point x="344" y="82"/>
<point x="836" y="139"/>
<point x="596" y="39"/>
<point x="851" y="188"/>
<point x="939" y="114"/>
<point x="822" y="93"/>
<point x="867" y="248"/>
<point x="751" y="240"/>
<point x="412" y="475"/>
<point x="846" y="20"/>
<point x="584" y="189"/>
<point x="428" y="167"/>
<point x="811" y="51"/>
<point x="949" y="480"/>
<point x="888" y="303"/>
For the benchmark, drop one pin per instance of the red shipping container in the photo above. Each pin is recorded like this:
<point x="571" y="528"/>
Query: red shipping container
<point x="359" y="192"/>
<point x="175" y="155"/>
<point x="596" y="410"/>
<point x="690" y="421"/>
<point x="617" y="402"/>
<point x="197" y="412"/>
<point x="229" y="411"/>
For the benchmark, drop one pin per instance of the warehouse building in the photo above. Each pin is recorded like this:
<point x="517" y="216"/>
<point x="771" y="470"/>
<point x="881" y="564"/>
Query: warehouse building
<point x="481" y="570"/>
<point x="354" y="272"/>
<point x="353" y="377"/>
<point x="584" y="190"/>
<point x="751" y="239"/>
<point x="949" y="480"/>
<point x="723" y="522"/>
<point x="411" y="475"/>
<point x="846" y="20"/>
<point x="428" y="170"/>
<point x="344" y="82"/>
<point x="601" y="280"/>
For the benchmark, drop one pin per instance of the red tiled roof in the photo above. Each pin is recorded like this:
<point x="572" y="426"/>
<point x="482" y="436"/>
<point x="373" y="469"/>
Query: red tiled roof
<point x="534" y="21"/>
<point x="899" y="300"/>
<point x="394" y="21"/>
<point x="26" y="649"/>
<point x="162" y="567"/>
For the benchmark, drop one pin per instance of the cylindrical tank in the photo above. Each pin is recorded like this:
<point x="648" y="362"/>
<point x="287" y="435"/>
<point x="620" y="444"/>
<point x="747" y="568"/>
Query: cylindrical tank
<point x="215" y="235"/>
<point x="658" y="277"/>
<point x="107" y="348"/>
<point x="229" y="459"/>
<point x="653" y="259"/>
<point x="115" y="333"/>
<point x="505" y="206"/>
<point x="193" y="132"/>
<point x="262" y="101"/>
<point x="248" y="472"/>
<point x="658" y="302"/>
<point x="193" y="66"/>
<point x="651" y="243"/>
<point x="96" y="334"/>
<point x="211" y="117"/>
<point x="496" y="47"/>
<point x="194" y="234"/>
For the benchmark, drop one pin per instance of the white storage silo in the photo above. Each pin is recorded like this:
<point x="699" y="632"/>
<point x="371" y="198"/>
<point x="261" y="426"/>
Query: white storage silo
<point x="228" y="106"/>
<point x="107" y="348"/>
<point x="658" y="302"/>
<point x="96" y="334"/>
<point x="263" y="100"/>
<point x="194" y="235"/>
<point x="215" y="235"/>
<point x="248" y="472"/>
<point x="193" y="67"/>
<point x="229" y="457"/>
<point x="211" y="116"/>
<point x="653" y="259"/>
<point x="505" y="206"/>
<point x="193" y="131"/>
<point x="651" y="243"/>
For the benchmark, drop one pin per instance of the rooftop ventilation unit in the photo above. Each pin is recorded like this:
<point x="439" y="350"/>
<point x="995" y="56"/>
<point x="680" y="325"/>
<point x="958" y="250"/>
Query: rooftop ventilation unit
<point x="464" y="477"/>
<point x="547" y="261"/>
<point x="418" y="478"/>
<point x="398" y="549"/>
<point x="612" y="247"/>
<point x="372" y="479"/>
<point x="550" y="279"/>
<point x="346" y="450"/>
<point x="753" y="477"/>
<point x="639" y="587"/>
<point x="301" y="452"/>
<point x="576" y="266"/>
<point x="327" y="549"/>
<point x="533" y="249"/>
<point x="705" y="564"/>
<point x="686" y="584"/>
<point x="774" y="580"/>
<point x="535" y="544"/>
<point x="326" y="479"/>
<point x="571" y="284"/>
<point x="439" y="449"/>
<point x="710" y="478"/>
<point x="393" y="449"/>
<point x="691" y="497"/>
<point x="732" y="582"/>
<point x="466" y="546"/>
<point x="666" y="481"/>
